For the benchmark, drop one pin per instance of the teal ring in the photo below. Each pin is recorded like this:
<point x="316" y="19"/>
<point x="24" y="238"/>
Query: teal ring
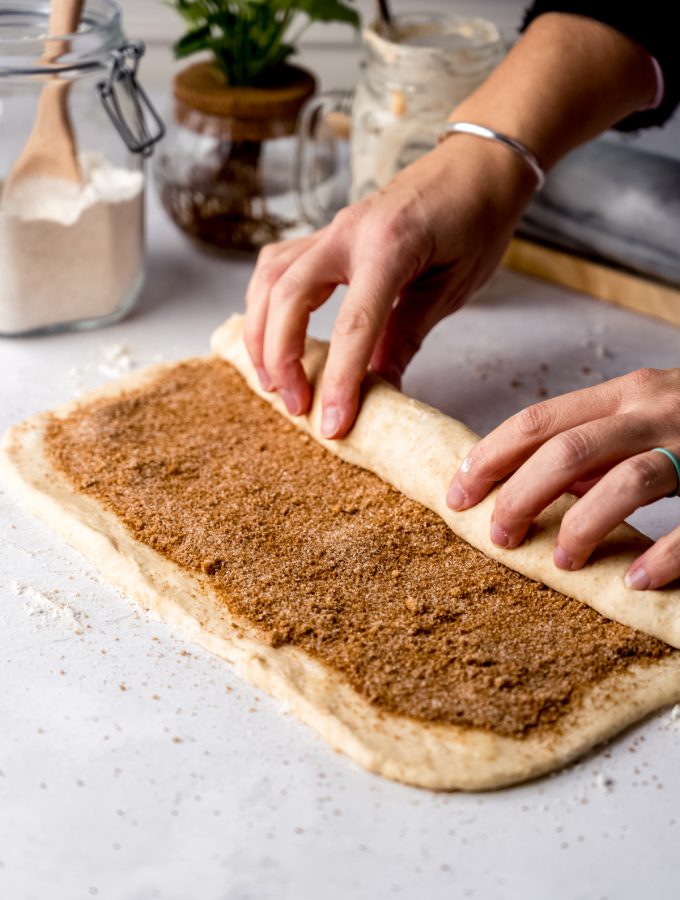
<point x="676" y="465"/>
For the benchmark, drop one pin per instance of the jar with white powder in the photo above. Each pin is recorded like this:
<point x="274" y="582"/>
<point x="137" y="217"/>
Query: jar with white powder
<point x="71" y="249"/>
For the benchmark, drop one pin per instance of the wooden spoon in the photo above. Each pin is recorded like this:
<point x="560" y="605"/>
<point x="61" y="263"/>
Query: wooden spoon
<point x="50" y="151"/>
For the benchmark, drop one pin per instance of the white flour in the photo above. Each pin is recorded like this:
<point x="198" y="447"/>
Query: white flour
<point x="47" y="607"/>
<point x="70" y="252"/>
<point x="117" y="361"/>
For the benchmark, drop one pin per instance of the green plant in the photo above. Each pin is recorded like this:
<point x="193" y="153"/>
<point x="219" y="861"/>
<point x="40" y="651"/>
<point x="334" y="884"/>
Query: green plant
<point x="250" y="38"/>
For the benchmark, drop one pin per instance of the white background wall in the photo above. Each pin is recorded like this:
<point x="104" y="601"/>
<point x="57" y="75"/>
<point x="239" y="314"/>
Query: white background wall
<point x="332" y="51"/>
<point x="152" y="19"/>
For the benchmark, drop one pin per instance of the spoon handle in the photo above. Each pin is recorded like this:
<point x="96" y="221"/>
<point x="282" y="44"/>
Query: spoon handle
<point x="64" y="17"/>
<point x="387" y="19"/>
<point x="64" y="20"/>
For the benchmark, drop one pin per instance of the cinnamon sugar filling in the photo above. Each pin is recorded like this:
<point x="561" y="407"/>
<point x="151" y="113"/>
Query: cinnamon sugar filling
<point x="314" y="552"/>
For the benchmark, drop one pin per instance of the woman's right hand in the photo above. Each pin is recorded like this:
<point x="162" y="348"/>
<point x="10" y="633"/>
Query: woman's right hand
<point x="414" y="252"/>
<point x="411" y="254"/>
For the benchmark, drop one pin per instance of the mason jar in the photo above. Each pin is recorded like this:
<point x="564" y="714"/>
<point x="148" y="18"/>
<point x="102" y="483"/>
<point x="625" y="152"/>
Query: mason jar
<point x="351" y="143"/>
<point x="410" y="81"/>
<point x="75" y="127"/>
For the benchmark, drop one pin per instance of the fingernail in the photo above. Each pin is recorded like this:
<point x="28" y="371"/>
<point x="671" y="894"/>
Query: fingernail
<point x="499" y="535"/>
<point x="455" y="497"/>
<point x="291" y="400"/>
<point x="330" y="421"/>
<point x="561" y="558"/>
<point x="265" y="380"/>
<point x="637" y="579"/>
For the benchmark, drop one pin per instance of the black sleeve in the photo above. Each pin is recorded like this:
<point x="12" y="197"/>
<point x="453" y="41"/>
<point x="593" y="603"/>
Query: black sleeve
<point x="651" y="25"/>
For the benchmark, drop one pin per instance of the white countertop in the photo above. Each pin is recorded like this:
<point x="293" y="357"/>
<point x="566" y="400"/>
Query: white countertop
<point x="137" y="766"/>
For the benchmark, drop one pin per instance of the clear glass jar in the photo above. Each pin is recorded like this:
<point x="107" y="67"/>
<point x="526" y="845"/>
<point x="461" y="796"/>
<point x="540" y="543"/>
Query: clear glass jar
<point x="410" y="82"/>
<point x="225" y="172"/>
<point x="71" y="248"/>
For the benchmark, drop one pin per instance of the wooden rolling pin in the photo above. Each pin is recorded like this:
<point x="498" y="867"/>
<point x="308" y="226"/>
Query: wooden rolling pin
<point x="643" y="295"/>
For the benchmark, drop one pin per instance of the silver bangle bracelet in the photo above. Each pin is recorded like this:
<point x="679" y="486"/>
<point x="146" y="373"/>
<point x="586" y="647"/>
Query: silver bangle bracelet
<point x="490" y="135"/>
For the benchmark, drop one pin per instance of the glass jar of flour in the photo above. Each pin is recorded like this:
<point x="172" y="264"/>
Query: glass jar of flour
<point x="410" y="81"/>
<point x="75" y="126"/>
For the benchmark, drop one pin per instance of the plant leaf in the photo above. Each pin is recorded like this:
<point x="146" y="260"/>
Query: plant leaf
<point x="329" y="11"/>
<point x="249" y="38"/>
<point x="192" y="42"/>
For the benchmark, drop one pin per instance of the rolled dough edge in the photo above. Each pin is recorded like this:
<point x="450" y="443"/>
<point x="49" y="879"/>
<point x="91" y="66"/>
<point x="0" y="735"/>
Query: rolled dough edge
<point x="417" y="449"/>
<point x="434" y="756"/>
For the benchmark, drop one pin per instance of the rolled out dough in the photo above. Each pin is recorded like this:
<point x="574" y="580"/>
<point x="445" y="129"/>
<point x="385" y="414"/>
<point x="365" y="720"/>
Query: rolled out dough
<point x="422" y="446"/>
<point x="417" y="449"/>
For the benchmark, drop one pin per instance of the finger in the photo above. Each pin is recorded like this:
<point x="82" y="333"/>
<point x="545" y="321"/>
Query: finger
<point x="556" y="464"/>
<point x="419" y="308"/>
<point x="400" y="340"/>
<point x="580" y="488"/>
<point x="358" y="325"/>
<point x="658" y="566"/>
<point x="302" y="288"/>
<point x="272" y="262"/>
<point x="633" y="483"/>
<point x="585" y="483"/>
<point x="512" y="443"/>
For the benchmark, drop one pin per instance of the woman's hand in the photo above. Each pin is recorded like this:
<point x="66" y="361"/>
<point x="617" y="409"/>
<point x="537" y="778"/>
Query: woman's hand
<point x="596" y="443"/>
<point x="415" y="251"/>
<point x="411" y="254"/>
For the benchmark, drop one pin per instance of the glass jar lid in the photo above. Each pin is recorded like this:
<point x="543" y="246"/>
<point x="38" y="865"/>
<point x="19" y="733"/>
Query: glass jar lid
<point x="24" y="38"/>
<point x="28" y="50"/>
<point x="429" y="48"/>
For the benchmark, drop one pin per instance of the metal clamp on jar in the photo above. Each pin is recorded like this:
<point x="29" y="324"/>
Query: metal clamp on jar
<point x="72" y="192"/>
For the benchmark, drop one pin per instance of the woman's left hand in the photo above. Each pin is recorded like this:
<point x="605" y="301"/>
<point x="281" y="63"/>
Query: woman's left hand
<point x="596" y="443"/>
